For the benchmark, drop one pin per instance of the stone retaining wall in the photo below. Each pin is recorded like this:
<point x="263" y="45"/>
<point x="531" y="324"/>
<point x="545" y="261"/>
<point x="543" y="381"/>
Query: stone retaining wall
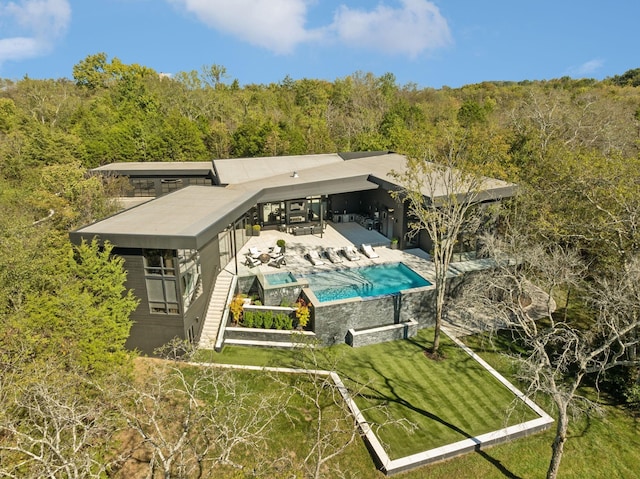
<point x="382" y="334"/>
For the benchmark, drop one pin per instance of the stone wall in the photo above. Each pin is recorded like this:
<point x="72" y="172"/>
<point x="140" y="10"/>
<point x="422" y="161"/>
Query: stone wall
<point x="382" y="334"/>
<point x="333" y="320"/>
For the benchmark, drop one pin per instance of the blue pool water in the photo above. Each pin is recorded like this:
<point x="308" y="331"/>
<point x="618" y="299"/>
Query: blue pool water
<point x="377" y="280"/>
<point x="277" y="279"/>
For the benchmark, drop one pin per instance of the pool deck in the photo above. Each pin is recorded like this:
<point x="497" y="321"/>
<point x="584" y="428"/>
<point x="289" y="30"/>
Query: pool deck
<point x="335" y="236"/>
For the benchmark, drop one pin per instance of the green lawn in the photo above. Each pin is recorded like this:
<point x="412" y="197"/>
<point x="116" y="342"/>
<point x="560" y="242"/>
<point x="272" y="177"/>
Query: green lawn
<point x="598" y="447"/>
<point x="444" y="401"/>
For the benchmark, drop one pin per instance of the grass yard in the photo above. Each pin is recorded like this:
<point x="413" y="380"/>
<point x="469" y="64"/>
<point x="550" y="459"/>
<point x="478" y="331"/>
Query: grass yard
<point x="598" y="447"/>
<point x="444" y="401"/>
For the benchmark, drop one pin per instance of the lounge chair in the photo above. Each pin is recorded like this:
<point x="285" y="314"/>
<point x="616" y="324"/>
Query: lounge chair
<point x="277" y="261"/>
<point x="251" y="261"/>
<point x="368" y="251"/>
<point x="276" y="251"/>
<point x="314" y="257"/>
<point x="331" y="254"/>
<point x="350" y="253"/>
<point x="254" y="252"/>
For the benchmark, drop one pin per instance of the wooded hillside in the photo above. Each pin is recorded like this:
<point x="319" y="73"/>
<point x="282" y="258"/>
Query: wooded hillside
<point x="572" y="145"/>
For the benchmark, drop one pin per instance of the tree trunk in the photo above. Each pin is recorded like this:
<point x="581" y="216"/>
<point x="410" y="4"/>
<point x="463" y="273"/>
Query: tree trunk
<point x="440" y="289"/>
<point x="558" y="443"/>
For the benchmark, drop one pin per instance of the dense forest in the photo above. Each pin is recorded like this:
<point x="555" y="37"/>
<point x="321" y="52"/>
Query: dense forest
<point x="572" y="145"/>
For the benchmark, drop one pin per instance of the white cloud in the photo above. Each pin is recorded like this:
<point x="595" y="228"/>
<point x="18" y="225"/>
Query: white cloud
<point x="277" y="25"/>
<point x="36" y="25"/>
<point x="410" y="30"/>
<point x="280" y="25"/>
<point x="589" y="67"/>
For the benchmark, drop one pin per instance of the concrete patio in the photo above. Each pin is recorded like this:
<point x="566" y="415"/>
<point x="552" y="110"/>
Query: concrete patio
<point x="336" y="236"/>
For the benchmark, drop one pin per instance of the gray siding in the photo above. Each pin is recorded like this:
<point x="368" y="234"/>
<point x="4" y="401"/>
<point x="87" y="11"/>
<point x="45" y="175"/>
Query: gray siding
<point x="210" y="268"/>
<point x="148" y="331"/>
<point x="151" y="330"/>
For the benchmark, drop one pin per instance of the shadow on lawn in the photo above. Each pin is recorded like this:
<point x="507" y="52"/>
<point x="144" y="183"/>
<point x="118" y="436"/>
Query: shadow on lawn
<point x="377" y="395"/>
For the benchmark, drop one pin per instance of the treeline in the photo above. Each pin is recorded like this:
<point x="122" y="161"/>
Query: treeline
<point x="572" y="145"/>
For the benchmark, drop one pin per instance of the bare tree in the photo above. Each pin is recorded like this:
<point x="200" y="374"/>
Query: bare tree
<point x="443" y="198"/>
<point x="191" y="418"/>
<point x="555" y="355"/>
<point x="53" y="426"/>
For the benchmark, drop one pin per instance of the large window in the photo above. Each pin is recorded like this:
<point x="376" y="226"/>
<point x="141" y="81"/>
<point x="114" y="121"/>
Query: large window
<point x="143" y="187"/>
<point x="190" y="280"/>
<point x="272" y="213"/>
<point x="317" y="207"/>
<point x="160" y="277"/>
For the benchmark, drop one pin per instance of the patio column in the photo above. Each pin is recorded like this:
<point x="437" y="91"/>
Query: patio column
<point x="321" y="218"/>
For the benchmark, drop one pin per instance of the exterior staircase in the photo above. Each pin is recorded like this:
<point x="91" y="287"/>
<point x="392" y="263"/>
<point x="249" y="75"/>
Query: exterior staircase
<point x="217" y="310"/>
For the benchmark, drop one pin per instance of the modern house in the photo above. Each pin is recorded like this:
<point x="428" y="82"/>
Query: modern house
<point x="199" y="215"/>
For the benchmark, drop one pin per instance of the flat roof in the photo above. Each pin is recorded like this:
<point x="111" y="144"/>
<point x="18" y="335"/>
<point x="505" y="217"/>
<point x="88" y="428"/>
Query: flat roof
<point x="158" y="168"/>
<point x="186" y="218"/>
<point x="242" y="170"/>
<point x="192" y="216"/>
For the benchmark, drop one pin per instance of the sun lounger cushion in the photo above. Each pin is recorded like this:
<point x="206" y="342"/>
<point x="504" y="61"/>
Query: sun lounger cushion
<point x="314" y="257"/>
<point x="368" y="251"/>
<point x="350" y="253"/>
<point x="332" y="255"/>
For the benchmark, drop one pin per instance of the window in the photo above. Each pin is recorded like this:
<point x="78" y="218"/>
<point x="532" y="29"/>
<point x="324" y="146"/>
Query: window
<point x="143" y="187"/>
<point x="272" y="213"/>
<point x="160" y="278"/>
<point x="190" y="280"/>
<point x="170" y="184"/>
<point x="200" y="181"/>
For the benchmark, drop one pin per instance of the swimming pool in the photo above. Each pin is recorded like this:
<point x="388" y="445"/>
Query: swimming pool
<point x="277" y="279"/>
<point x="368" y="281"/>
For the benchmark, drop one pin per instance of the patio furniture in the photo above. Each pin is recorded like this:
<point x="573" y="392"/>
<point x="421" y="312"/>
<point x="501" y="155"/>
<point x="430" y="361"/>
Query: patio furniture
<point x="350" y="253"/>
<point x="331" y="254"/>
<point x="275" y="252"/>
<point x="302" y="230"/>
<point x="278" y="261"/>
<point x="252" y="262"/>
<point x="368" y="251"/>
<point x="314" y="257"/>
<point x="254" y="252"/>
<point x="264" y="258"/>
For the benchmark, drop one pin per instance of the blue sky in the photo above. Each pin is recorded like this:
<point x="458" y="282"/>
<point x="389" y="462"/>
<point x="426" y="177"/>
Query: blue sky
<point x="430" y="43"/>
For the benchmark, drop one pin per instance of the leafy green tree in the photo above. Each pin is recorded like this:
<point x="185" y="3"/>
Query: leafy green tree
<point x="628" y="78"/>
<point x="84" y="321"/>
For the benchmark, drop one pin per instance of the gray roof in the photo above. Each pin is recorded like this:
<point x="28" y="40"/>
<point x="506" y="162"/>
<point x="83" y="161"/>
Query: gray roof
<point x="158" y="168"/>
<point x="242" y="170"/>
<point x="187" y="218"/>
<point x="192" y="216"/>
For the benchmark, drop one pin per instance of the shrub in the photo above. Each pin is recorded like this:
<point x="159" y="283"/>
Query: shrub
<point x="283" y="321"/>
<point x="302" y="313"/>
<point x="256" y="228"/>
<point x="248" y="319"/>
<point x="258" y="319"/>
<point x="268" y="319"/>
<point x="236" y="307"/>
